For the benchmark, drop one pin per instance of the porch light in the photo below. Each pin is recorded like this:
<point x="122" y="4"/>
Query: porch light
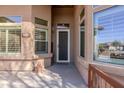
<point x="25" y="34"/>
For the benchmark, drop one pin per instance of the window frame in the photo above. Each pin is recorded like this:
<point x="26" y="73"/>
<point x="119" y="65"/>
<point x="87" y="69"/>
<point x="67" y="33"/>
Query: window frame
<point x="46" y="40"/>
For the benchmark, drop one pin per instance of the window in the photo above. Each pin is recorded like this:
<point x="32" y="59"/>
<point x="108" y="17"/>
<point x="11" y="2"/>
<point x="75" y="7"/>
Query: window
<point x="41" y="21"/>
<point x="10" y="34"/>
<point x="82" y="40"/>
<point x="109" y="35"/>
<point x="41" y="41"/>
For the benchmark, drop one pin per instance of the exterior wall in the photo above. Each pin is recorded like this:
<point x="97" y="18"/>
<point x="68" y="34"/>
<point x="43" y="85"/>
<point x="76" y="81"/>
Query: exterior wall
<point x="82" y="63"/>
<point x="63" y="15"/>
<point x="23" y="61"/>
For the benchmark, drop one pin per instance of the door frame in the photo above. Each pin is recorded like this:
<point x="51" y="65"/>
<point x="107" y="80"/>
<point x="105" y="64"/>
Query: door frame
<point x="57" y="45"/>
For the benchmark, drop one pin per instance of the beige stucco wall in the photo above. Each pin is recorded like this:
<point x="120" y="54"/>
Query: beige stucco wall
<point x="10" y="10"/>
<point x="28" y="13"/>
<point x="63" y="15"/>
<point x="80" y="62"/>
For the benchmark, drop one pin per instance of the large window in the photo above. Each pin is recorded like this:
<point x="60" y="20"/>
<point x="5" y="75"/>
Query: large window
<point x="82" y="39"/>
<point x="109" y="35"/>
<point x="10" y="34"/>
<point x="41" y="41"/>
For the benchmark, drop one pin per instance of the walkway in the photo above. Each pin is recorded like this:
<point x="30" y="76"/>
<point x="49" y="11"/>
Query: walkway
<point x="57" y="76"/>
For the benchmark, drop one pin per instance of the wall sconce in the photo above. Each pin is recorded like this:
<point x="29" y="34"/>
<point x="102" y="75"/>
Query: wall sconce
<point x="26" y="34"/>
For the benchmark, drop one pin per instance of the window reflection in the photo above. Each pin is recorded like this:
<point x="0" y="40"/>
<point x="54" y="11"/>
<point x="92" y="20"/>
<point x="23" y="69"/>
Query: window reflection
<point x="10" y="19"/>
<point x="109" y="35"/>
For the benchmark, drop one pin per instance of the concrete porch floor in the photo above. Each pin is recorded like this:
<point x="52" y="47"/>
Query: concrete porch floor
<point x="56" y="76"/>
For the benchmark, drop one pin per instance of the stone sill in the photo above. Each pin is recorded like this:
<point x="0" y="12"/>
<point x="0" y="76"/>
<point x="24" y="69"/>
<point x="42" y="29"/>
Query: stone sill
<point x="43" y="55"/>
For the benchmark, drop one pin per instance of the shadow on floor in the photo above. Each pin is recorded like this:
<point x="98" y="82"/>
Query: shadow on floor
<point x="56" y="76"/>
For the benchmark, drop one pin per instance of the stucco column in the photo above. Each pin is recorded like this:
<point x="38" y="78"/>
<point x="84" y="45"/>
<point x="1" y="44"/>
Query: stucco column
<point x="89" y="34"/>
<point x="27" y="40"/>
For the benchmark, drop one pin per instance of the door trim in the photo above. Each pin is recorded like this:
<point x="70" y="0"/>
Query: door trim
<point x="57" y="52"/>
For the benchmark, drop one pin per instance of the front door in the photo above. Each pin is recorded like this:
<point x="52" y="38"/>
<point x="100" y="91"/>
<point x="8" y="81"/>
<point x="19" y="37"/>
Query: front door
<point x="63" y="45"/>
